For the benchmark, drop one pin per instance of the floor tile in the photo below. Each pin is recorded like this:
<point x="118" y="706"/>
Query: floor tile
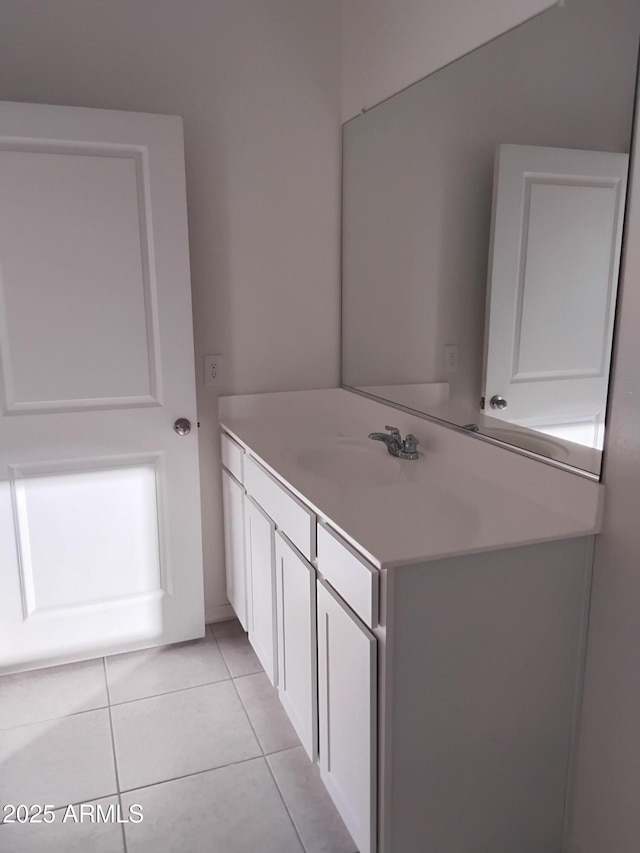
<point x="63" y="834"/>
<point x="267" y="715"/>
<point x="56" y="691"/>
<point x="137" y="675"/>
<point x="62" y="761"/>
<point x="236" y="649"/>
<point x="175" y="734"/>
<point x="234" y="809"/>
<point x="316" y="818"/>
<point x="229" y="626"/>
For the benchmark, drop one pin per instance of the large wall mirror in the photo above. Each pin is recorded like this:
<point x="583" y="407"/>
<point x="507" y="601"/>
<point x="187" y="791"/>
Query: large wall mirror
<point x="483" y="216"/>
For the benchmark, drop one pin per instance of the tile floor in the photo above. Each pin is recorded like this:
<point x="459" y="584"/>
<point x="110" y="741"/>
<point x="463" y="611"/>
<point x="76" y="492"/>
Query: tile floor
<point x="193" y="733"/>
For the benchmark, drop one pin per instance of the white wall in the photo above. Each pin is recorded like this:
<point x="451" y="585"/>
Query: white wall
<point x="606" y="809"/>
<point x="389" y="44"/>
<point x="258" y="86"/>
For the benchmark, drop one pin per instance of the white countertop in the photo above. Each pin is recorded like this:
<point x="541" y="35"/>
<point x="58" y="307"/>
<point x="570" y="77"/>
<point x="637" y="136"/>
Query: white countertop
<point x="462" y="496"/>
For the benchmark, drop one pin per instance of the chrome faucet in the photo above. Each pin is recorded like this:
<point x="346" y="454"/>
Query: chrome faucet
<point x="396" y="445"/>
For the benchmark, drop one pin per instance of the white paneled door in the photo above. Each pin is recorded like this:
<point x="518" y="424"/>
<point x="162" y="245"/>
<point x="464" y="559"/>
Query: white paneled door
<point x="557" y="231"/>
<point x="100" y="539"/>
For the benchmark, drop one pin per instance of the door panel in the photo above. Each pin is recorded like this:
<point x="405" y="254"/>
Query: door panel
<point x="61" y="515"/>
<point x="234" y="543"/>
<point x="66" y="289"/>
<point x="557" y="230"/>
<point x="261" y="583"/>
<point x="347" y="702"/>
<point x="100" y="540"/>
<point x="566" y="224"/>
<point x="297" y="675"/>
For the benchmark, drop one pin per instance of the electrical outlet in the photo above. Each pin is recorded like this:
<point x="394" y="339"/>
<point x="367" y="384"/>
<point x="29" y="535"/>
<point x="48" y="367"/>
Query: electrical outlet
<point x="213" y="370"/>
<point x="451" y="359"/>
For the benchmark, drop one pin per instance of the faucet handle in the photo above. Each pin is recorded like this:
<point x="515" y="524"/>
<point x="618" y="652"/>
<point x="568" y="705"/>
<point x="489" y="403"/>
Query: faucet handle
<point x="410" y="443"/>
<point x="393" y="430"/>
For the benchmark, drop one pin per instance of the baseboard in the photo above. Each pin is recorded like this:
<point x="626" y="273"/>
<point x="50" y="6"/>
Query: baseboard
<point x="219" y="613"/>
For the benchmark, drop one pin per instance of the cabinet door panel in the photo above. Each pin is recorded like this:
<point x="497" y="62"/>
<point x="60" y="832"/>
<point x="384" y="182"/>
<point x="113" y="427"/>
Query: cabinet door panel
<point x="233" y="506"/>
<point x="347" y="691"/>
<point x="297" y="673"/>
<point x="260" y="544"/>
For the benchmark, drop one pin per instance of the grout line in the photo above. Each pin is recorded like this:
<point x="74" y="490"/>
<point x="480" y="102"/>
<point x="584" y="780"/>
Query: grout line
<point x="224" y="657"/>
<point x="249" y="675"/>
<point x="122" y="825"/>
<point x="284" y="801"/>
<point x="168" y="692"/>
<point x="244" y="708"/>
<point x="113" y="751"/>
<point x="52" y="719"/>
<point x="264" y="756"/>
<point x="221" y="653"/>
<point x="286" y="749"/>
<point x="110" y="704"/>
<point x="189" y="775"/>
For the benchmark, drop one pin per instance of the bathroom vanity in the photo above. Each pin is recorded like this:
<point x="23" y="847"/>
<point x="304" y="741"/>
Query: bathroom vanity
<point x="423" y="620"/>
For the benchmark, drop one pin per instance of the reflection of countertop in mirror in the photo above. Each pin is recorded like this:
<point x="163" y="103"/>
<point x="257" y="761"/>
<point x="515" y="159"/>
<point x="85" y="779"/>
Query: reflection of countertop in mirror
<point x="461" y="496"/>
<point x="561" y="450"/>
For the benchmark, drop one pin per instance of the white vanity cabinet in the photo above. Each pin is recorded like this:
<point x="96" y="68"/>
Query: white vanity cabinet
<point x="439" y="695"/>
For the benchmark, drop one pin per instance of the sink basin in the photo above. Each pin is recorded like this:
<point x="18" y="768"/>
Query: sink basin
<point x="352" y="461"/>
<point x="536" y="442"/>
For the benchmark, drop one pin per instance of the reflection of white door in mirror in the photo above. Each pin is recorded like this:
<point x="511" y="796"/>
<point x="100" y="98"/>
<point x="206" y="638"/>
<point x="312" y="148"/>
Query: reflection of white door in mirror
<point x="553" y="271"/>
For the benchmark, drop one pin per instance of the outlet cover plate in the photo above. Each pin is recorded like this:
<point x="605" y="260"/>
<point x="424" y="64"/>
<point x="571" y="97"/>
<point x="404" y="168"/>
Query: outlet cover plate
<point x="213" y="370"/>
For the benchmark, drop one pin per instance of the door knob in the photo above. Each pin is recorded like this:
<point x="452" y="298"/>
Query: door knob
<point x="182" y="426"/>
<point x="498" y="402"/>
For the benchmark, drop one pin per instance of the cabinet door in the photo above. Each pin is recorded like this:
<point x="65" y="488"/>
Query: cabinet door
<point x="297" y="672"/>
<point x="260" y="546"/>
<point x="347" y="695"/>
<point x="233" y="507"/>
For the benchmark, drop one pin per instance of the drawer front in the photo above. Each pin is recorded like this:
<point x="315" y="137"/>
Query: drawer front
<point x="349" y="574"/>
<point x="232" y="456"/>
<point x="295" y="520"/>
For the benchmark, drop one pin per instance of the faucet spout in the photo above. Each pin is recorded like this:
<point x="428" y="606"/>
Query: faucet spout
<point x="380" y="436"/>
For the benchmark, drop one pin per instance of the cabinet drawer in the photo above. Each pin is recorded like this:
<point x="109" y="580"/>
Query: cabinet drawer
<point x="290" y="514"/>
<point x="349" y="574"/>
<point x="232" y="456"/>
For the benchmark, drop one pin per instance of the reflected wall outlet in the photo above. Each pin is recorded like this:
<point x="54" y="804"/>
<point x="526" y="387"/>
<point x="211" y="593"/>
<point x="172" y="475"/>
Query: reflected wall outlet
<point x="213" y="370"/>
<point x="451" y="359"/>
